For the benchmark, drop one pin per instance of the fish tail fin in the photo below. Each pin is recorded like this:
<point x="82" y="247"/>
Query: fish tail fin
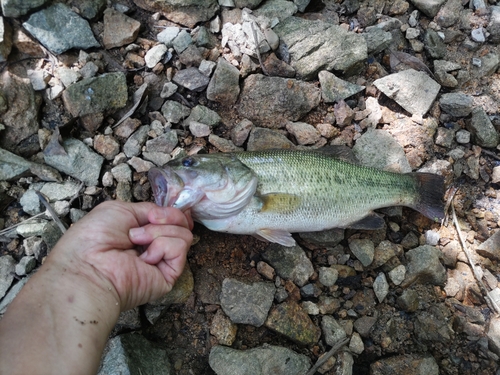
<point x="430" y="195"/>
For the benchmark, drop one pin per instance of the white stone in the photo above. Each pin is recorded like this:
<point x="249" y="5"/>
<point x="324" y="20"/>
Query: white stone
<point x="397" y="274"/>
<point x="154" y="55"/>
<point x="463" y="136"/>
<point x="381" y="287"/>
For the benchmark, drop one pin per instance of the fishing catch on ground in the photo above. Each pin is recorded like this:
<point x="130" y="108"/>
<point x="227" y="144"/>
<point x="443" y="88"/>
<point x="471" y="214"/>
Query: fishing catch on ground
<point x="271" y="194"/>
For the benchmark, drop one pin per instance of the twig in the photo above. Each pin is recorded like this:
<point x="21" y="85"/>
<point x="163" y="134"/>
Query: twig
<point x="257" y="51"/>
<point x="453" y="191"/>
<point x="327" y="355"/>
<point x="490" y="301"/>
<point x="489" y="153"/>
<point x="7" y="230"/>
<point x="51" y="211"/>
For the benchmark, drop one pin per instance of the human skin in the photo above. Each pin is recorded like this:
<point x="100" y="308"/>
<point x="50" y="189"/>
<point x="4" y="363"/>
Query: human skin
<point x="61" y="319"/>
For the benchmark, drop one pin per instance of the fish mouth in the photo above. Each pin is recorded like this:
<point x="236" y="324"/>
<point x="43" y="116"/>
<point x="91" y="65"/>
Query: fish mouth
<point x="166" y="186"/>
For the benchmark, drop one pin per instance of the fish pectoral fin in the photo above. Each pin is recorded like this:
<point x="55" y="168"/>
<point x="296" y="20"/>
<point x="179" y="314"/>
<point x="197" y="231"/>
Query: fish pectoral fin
<point x="370" y="222"/>
<point x="279" y="202"/>
<point x="276" y="235"/>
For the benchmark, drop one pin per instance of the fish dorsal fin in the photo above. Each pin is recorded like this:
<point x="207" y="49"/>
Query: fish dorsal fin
<point x="340" y="152"/>
<point x="370" y="222"/>
<point x="276" y="235"/>
<point x="279" y="202"/>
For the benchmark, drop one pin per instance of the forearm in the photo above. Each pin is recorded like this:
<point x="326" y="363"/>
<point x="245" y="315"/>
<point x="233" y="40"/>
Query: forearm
<point x="59" y="323"/>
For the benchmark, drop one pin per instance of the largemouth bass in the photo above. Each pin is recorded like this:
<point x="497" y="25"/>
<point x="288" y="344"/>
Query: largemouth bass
<point x="271" y="194"/>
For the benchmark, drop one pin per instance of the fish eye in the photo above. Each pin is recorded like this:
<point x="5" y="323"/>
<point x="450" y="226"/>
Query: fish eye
<point x="187" y="162"/>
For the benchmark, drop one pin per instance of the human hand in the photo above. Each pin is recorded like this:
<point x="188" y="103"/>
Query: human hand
<point x="102" y="247"/>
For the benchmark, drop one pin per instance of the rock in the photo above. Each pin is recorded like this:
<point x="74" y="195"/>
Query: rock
<point x="32" y="246"/>
<point x="12" y="166"/>
<point x="98" y="94"/>
<point x="262" y="360"/>
<point x="199" y="130"/>
<point x="494" y="25"/>
<point x="7" y="268"/>
<point x="310" y="44"/>
<point x="140" y="165"/>
<point x="491" y="247"/>
<point x="185" y="12"/>
<point x="181" y="41"/>
<point x="397" y="274"/>
<point x="332" y="330"/>
<point x="265" y="139"/>
<point x="334" y="89"/>
<point x="204" y="115"/>
<point x="122" y="173"/>
<point x="132" y="353"/>
<point x="280" y="9"/>
<point x="409" y="364"/>
<point x="240" y="132"/>
<point x="174" y="111"/>
<point x="378" y="149"/>
<point x="356" y="344"/>
<point x="434" y="45"/>
<point x="59" y="29"/>
<point x="67" y="76"/>
<point x="154" y="55"/>
<point x="224" y="86"/>
<point x="449" y="14"/>
<point x="168" y="90"/>
<point x="13" y="292"/>
<point x="167" y="35"/>
<point x="433" y="325"/>
<point x="19" y="106"/>
<point x="328" y="276"/>
<point x="363" y="249"/>
<point x="223" y="329"/>
<point x="493" y="335"/>
<point x="463" y="136"/>
<point x="25" y="265"/>
<point x="164" y="143"/>
<point x="428" y="7"/>
<point x="222" y="144"/>
<point x="17" y="8"/>
<point x="377" y="40"/>
<point x="246" y="304"/>
<point x="413" y="90"/>
<point x="289" y="263"/>
<point x="364" y="325"/>
<point x="305" y="134"/>
<point x="381" y="287"/>
<point x="133" y="146"/>
<point x="192" y="79"/>
<point x="424" y="266"/>
<point x="384" y="252"/>
<point x="272" y="101"/>
<point x="119" y="29"/>
<point x="477" y="35"/>
<point x="5" y="40"/>
<point x="107" y="146"/>
<point x="326" y="238"/>
<point x="483" y="132"/>
<point x="487" y="66"/>
<point x="278" y="68"/>
<point x="408" y="301"/>
<point x="292" y="322"/>
<point x="456" y="104"/>
<point x="79" y="162"/>
<point x="57" y="192"/>
<point x="127" y="320"/>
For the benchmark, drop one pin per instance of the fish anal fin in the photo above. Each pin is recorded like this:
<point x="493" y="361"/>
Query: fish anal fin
<point x="279" y="202"/>
<point x="370" y="222"/>
<point x="276" y="235"/>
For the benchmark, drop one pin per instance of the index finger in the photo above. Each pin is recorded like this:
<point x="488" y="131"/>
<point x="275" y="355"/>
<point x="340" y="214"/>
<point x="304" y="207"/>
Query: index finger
<point x="168" y="215"/>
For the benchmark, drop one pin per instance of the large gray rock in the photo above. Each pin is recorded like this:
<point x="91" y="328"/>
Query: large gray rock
<point x="265" y="139"/>
<point x="5" y="40"/>
<point x="59" y="29"/>
<point x="246" y="304"/>
<point x="17" y="8"/>
<point x="317" y="45"/>
<point x="7" y="267"/>
<point x="79" y="162"/>
<point x="456" y="104"/>
<point x="95" y="95"/>
<point x="334" y="89"/>
<point x="424" y="266"/>
<point x="133" y="354"/>
<point x="413" y="90"/>
<point x="280" y="9"/>
<point x="20" y="106"/>
<point x="428" y="7"/>
<point x="264" y="360"/>
<point x="12" y="166"/>
<point x="224" y="86"/>
<point x="483" y="132"/>
<point x="185" y="12"/>
<point x="273" y="101"/>
<point x="289" y="262"/>
<point x="378" y="149"/>
<point x="494" y="25"/>
<point x="400" y="364"/>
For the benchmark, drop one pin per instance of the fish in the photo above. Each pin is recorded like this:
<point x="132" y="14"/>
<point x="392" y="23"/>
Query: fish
<point x="271" y="194"/>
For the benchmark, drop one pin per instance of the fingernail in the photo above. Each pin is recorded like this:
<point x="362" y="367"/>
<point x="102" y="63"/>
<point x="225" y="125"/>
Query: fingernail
<point x="136" y="232"/>
<point x="160" y="213"/>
